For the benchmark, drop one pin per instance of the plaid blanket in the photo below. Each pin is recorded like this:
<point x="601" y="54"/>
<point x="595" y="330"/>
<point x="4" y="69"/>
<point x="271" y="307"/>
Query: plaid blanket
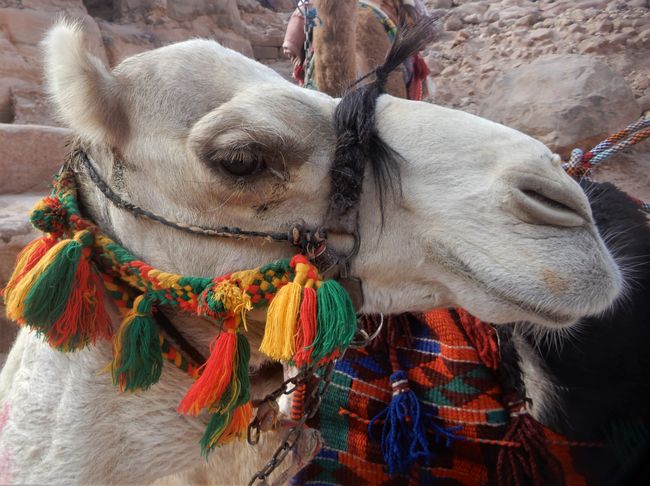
<point x="475" y="437"/>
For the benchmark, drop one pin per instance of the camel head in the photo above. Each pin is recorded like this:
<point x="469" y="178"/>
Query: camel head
<point x="486" y="219"/>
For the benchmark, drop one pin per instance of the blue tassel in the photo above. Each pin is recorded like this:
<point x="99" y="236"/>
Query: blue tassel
<point x="403" y="441"/>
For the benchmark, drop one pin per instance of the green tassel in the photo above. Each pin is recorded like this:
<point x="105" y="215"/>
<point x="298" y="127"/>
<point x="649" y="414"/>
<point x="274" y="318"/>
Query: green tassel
<point x="243" y="376"/>
<point x="216" y="427"/>
<point x="137" y="362"/>
<point x="337" y="320"/>
<point x="48" y="296"/>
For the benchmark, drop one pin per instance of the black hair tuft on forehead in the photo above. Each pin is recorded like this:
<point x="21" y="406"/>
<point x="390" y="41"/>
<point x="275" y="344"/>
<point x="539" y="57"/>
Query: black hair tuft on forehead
<point x="358" y="142"/>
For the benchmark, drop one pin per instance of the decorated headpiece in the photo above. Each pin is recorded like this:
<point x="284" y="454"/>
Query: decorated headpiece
<point x="56" y="289"/>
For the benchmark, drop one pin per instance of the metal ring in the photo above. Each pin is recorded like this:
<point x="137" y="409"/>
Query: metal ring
<point x="253" y="426"/>
<point x="366" y="339"/>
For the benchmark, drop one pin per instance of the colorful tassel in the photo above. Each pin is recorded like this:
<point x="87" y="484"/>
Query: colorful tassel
<point x="224" y="377"/>
<point x="137" y="361"/>
<point x="230" y="407"/>
<point x="53" y="291"/>
<point x="403" y="437"/>
<point x="239" y="390"/>
<point x="25" y="261"/>
<point x="84" y="319"/>
<point x="225" y="427"/>
<point x="337" y="320"/>
<point x="280" y="330"/>
<point x="307" y="328"/>
<point x="224" y="296"/>
<point x="40" y="296"/>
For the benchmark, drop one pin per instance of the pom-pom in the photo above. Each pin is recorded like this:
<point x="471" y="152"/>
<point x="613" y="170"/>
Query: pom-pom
<point x="49" y="216"/>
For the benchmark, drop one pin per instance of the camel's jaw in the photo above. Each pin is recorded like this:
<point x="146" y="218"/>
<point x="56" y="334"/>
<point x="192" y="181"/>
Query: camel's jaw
<point x="554" y="286"/>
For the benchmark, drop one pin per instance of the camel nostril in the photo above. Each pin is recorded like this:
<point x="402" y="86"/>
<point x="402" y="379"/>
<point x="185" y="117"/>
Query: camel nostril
<point x="541" y="202"/>
<point x="542" y="199"/>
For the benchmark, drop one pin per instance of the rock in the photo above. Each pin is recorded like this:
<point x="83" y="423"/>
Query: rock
<point x="15" y="233"/>
<point x="491" y="16"/>
<point x="539" y="35"/>
<point x="435" y="65"/>
<point x="592" y="45"/>
<point x="439" y="3"/>
<point x="473" y="8"/>
<point x="453" y="23"/>
<point x="15" y="229"/>
<point x="629" y="171"/>
<point x="122" y="41"/>
<point x="644" y="103"/>
<point x="531" y="18"/>
<point x="266" y="52"/>
<point x="514" y="13"/>
<point x="29" y="156"/>
<point x="565" y="101"/>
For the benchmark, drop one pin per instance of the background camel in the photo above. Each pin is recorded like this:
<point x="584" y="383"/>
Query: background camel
<point x="349" y="40"/>
<point x="177" y="129"/>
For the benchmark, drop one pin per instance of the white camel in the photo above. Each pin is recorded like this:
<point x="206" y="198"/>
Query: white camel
<point x="487" y="221"/>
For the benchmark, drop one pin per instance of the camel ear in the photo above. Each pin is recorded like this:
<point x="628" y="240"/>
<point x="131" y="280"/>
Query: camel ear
<point x="85" y="93"/>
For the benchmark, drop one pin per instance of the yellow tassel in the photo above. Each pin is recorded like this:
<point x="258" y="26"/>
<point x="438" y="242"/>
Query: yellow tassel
<point x="15" y="297"/>
<point x="279" y="333"/>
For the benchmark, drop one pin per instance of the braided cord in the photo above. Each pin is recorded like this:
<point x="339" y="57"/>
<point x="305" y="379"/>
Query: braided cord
<point x="125" y="276"/>
<point x="580" y="163"/>
<point x="222" y="231"/>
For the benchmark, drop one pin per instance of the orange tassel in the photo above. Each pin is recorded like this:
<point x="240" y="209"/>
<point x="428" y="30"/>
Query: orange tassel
<point x="216" y="373"/>
<point x="306" y="327"/>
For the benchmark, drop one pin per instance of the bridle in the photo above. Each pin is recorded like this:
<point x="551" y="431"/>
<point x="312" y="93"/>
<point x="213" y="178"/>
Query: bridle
<point x="358" y="146"/>
<point x="312" y="242"/>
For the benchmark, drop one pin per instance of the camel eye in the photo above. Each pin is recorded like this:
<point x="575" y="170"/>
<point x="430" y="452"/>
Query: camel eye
<point x="242" y="165"/>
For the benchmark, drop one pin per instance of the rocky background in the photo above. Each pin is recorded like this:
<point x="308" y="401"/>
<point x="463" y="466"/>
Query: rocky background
<point x="568" y="72"/>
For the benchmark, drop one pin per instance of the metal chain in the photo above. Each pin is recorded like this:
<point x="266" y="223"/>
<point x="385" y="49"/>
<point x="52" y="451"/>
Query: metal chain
<point x="312" y="404"/>
<point x="311" y="407"/>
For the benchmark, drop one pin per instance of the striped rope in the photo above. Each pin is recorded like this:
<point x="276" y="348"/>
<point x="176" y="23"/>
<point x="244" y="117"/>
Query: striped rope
<point x="581" y="163"/>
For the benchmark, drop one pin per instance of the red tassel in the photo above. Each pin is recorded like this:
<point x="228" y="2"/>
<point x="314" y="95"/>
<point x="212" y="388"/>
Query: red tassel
<point x="482" y="336"/>
<point x="216" y="373"/>
<point x="532" y="462"/>
<point x="84" y="318"/>
<point x="306" y="327"/>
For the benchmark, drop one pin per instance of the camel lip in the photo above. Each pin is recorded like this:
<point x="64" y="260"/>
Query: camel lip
<point x="550" y="318"/>
<point x="533" y="311"/>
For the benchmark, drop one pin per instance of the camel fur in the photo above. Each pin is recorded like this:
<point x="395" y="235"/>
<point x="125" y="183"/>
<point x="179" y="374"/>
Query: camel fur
<point x="486" y="220"/>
